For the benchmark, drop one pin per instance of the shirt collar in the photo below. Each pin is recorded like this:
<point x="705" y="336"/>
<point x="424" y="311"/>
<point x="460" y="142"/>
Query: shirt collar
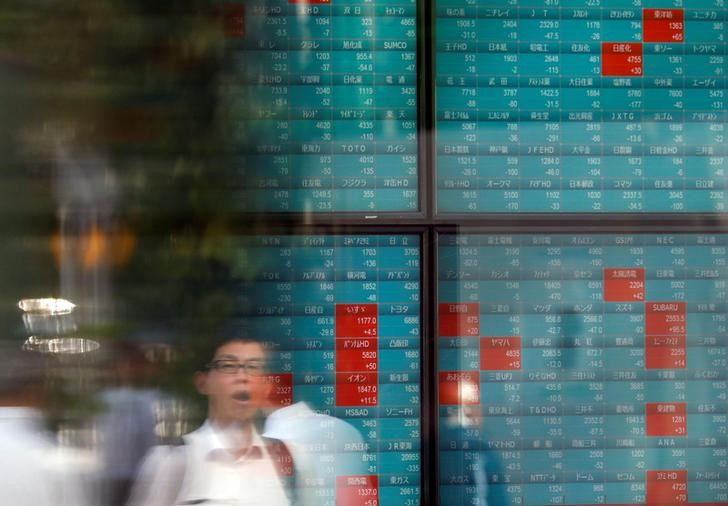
<point x="223" y="444"/>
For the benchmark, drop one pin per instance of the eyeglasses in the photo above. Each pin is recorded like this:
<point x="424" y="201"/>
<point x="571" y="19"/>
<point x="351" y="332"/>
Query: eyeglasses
<point x="251" y="368"/>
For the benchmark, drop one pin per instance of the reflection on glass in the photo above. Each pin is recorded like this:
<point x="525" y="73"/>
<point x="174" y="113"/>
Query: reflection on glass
<point x="325" y="101"/>
<point x="598" y="362"/>
<point x="46" y="306"/>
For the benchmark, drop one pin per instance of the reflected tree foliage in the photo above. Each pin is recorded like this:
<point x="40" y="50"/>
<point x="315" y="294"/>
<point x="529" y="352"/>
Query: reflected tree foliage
<point x="116" y="190"/>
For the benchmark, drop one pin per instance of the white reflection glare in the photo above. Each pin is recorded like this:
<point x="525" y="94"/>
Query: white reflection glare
<point x="46" y="306"/>
<point x="61" y="345"/>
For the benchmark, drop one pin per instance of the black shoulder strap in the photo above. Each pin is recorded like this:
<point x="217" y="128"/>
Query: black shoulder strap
<point x="284" y="464"/>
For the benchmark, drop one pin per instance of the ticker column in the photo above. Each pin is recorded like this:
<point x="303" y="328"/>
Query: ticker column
<point x="457" y="106"/>
<point x="311" y="105"/>
<point x="257" y="41"/>
<point x="458" y="371"/>
<point x="314" y="320"/>
<point x="707" y="388"/>
<point x="625" y="386"/>
<point x="623" y="101"/>
<point x="543" y="357"/>
<point x="279" y="322"/>
<point x="502" y="374"/>
<point x="581" y="118"/>
<point x="666" y="401"/>
<point x="499" y="99"/>
<point x="395" y="129"/>
<point x="585" y="337"/>
<point x="399" y="370"/>
<point x="354" y="102"/>
<point x="666" y="179"/>
<point x="265" y="312"/>
<point x="540" y="94"/>
<point x="357" y="356"/>
<point x="706" y="163"/>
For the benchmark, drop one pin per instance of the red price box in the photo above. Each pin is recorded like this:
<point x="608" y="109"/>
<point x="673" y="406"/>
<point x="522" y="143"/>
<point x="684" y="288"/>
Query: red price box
<point x="500" y="353"/>
<point x="357" y="389"/>
<point x="281" y="393"/>
<point x="666" y="318"/>
<point x="667" y="487"/>
<point x="622" y="59"/>
<point x="665" y="352"/>
<point x="666" y="418"/>
<point x="356" y="355"/>
<point x="663" y="25"/>
<point x="233" y="20"/>
<point x="356" y="320"/>
<point x="360" y="490"/>
<point x="459" y="388"/>
<point x="459" y="320"/>
<point x="624" y="285"/>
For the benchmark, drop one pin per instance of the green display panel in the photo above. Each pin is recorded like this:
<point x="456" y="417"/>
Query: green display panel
<point x="580" y="106"/>
<point x="325" y="101"/>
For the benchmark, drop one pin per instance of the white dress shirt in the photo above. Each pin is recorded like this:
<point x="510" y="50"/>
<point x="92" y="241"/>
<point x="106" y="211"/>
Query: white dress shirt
<point x="31" y="472"/>
<point x="210" y="469"/>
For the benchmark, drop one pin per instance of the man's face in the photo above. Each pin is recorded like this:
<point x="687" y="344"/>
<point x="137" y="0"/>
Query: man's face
<point x="237" y="395"/>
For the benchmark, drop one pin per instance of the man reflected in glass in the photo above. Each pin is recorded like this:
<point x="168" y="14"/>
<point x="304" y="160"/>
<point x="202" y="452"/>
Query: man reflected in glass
<point x="226" y="461"/>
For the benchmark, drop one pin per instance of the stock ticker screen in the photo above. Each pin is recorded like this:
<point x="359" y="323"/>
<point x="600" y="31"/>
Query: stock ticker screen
<point x="324" y="95"/>
<point x="583" y="369"/>
<point x="343" y="314"/>
<point x="586" y="106"/>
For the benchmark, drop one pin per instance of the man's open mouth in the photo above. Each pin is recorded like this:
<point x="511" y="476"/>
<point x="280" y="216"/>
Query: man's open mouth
<point x="242" y="396"/>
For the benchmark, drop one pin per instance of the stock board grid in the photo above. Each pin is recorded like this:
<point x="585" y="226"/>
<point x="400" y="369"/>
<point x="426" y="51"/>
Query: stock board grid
<point x="586" y="106"/>
<point x="342" y="314"/>
<point x="583" y="369"/>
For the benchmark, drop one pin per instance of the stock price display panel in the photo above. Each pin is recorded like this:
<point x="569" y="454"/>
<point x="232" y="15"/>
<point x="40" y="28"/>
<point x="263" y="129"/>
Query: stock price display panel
<point x="583" y="369"/>
<point x="324" y="94"/>
<point x="581" y="106"/>
<point x="343" y="313"/>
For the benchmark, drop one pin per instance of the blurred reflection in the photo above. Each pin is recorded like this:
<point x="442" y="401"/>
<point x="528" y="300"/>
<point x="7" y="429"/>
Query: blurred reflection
<point x="33" y="471"/>
<point x="319" y="445"/>
<point x="225" y="461"/>
<point x="126" y="429"/>
<point x="48" y="316"/>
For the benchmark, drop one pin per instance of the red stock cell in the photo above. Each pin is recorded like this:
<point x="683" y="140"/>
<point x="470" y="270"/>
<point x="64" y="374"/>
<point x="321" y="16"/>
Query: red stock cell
<point x="357" y="389"/>
<point x="663" y="25"/>
<point x="665" y="318"/>
<point x="281" y="393"/>
<point x="660" y="357"/>
<point x="361" y="490"/>
<point x="500" y="353"/>
<point x="459" y="388"/>
<point x="356" y="320"/>
<point x="666" y="419"/>
<point x="356" y="361"/>
<point x="624" y="285"/>
<point x="622" y="59"/>
<point x="458" y="319"/>
<point x="667" y="487"/>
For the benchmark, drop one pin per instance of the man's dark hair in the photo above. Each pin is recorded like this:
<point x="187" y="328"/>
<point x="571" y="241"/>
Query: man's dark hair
<point x="227" y="333"/>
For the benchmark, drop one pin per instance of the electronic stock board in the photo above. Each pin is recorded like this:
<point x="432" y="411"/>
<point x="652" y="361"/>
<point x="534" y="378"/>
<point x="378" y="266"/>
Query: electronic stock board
<point x="581" y="106"/>
<point x="343" y="313"/>
<point x="570" y="368"/>
<point x="324" y="94"/>
<point x="583" y="369"/>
